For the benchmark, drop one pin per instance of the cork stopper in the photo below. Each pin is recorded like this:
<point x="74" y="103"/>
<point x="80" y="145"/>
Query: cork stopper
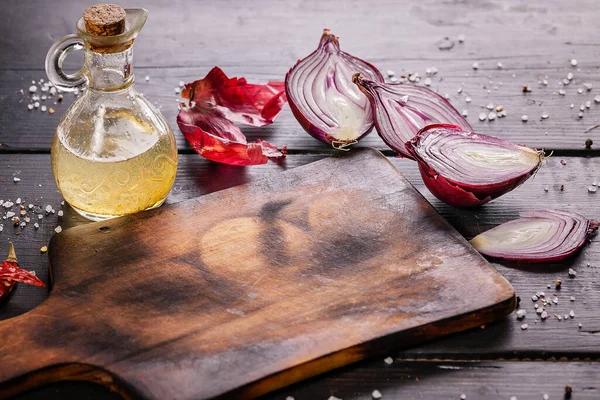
<point x="104" y="20"/>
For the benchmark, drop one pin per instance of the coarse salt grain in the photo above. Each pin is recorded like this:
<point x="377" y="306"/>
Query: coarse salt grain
<point x="573" y="62"/>
<point x="482" y="116"/>
<point x="475" y="65"/>
<point x="43" y="109"/>
<point x="32" y="89"/>
<point x="388" y="360"/>
<point x="30" y="106"/>
<point x="147" y="78"/>
<point x="58" y="229"/>
<point x="376" y="394"/>
<point x="16" y="179"/>
<point x="524" y="118"/>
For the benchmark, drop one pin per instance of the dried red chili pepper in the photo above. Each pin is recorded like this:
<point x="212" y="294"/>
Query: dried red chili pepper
<point x="215" y="103"/>
<point x="10" y="273"/>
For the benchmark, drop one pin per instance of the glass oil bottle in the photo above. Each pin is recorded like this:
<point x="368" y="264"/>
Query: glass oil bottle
<point x="113" y="153"/>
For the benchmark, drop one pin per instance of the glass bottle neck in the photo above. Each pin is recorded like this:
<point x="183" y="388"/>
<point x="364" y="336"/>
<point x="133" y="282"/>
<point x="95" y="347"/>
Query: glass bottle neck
<point x="109" y="71"/>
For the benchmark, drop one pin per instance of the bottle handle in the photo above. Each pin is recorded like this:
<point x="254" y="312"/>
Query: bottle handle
<point x="54" y="61"/>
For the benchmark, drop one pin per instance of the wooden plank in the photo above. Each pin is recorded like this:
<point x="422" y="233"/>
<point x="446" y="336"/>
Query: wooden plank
<point x="410" y="380"/>
<point x="178" y="307"/>
<point x="183" y="41"/>
<point x="552" y="338"/>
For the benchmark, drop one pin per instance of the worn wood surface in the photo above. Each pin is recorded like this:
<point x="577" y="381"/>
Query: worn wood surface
<point x="261" y="40"/>
<point x="268" y="283"/>
<point x="414" y="380"/>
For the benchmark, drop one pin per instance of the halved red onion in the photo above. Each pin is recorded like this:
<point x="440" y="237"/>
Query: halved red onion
<point x="402" y="109"/>
<point x="538" y="236"/>
<point x="323" y="98"/>
<point x="466" y="169"/>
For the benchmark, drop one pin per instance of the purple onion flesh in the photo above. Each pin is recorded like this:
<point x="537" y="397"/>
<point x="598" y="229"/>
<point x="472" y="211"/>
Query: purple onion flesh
<point x="323" y="98"/>
<point x="536" y="237"/>
<point x="467" y="169"/>
<point x="402" y="109"/>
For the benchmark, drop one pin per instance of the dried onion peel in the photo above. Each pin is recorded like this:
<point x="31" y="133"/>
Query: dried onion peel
<point x="323" y="98"/>
<point x="402" y="109"/>
<point x="215" y="103"/>
<point x="538" y="236"/>
<point x="467" y="169"/>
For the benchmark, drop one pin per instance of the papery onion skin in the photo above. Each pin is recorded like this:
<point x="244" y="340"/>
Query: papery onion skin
<point x="214" y="103"/>
<point x="461" y="193"/>
<point x="554" y="235"/>
<point x="402" y="109"/>
<point x="350" y="118"/>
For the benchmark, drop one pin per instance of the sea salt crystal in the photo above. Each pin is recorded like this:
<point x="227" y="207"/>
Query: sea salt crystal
<point x="524" y="327"/>
<point x="376" y="394"/>
<point x="572" y="273"/>
<point x="545" y="82"/>
<point x="588" y="104"/>
<point x="459" y="90"/>
<point x="571" y="314"/>
<point x="388" y="360"/>
<point x="427" y="82"/>
<point x="475" y="65"/>
<point x="389" y="73"/>
<point x="10" y="214"/>
<point x="48" y="208"/>
<point x="177" y="90"/>
<point x="463" y="397"/>
<point x="36" y="225"/>
<point x="333" y="398"/>
<point x="597" y="99"/>
<point x="43" y="109"/>
<point x="32" y="89"/>
<point x="30" y="106"/>
<point x="181" y="83"/>
<point x="490" y="106"/>
<point x="290" y="398"/>
<point x="16" y="179"/>
<point x="570" y="76"/>
<point x="580" y="90"/>
<point x="58" y="229"/>
<point x="499" y="65"/>
<point x="468" y="99"/>
<point x="482" y="116"/>
<point x="562" y="92"/>
<point x="492" y="116"/>
<point x="545" y="116"/>
<point x="566" y="81"/>
<point x="592" y="189"/>
<point x="572" y="105"/>
<point x="147" y="78"/>
<point x="573" y="62"/>
<point x="60" y="213"/>
<point x="588" y="86"/>
<point x="521" y="314"/>
<point x="465" y="113"/>
<point x="524" y="118"/>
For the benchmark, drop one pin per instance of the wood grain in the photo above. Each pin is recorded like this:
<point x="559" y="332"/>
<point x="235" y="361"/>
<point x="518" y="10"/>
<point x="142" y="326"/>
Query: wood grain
<point x="197" y="177"/>
<point x="269" y="283"/>
<point x="261" y="41"/>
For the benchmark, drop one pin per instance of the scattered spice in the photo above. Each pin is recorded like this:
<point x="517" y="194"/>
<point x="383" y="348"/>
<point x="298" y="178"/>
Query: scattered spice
<point x="588" y="143"/>
<point x="44" y="249"/>
<point x="558" y="284"/>
<point x="526" y="89"/>
<point x="562" y="188"/>
<point x="568" y="392"/>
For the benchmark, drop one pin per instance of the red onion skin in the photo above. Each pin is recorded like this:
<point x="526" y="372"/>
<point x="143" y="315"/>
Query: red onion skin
<point x="590" y="231"/>
<point x="459" y="194"/>
<point x="310" y="128"/>
<point x="391" y="138"/>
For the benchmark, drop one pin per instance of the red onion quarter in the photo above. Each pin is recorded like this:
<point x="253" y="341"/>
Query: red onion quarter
<point x="466" y="169"/>
<point x="323" y="98"/>
<point x="402" y="109"/>
<point x="538" y="236"/>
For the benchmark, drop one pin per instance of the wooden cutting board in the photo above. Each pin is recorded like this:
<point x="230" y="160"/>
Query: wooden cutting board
<point x="246" y="290"/>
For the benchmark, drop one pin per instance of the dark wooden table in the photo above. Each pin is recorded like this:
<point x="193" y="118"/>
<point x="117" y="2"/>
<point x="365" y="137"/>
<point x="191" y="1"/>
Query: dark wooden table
<point x="534" y="40"/>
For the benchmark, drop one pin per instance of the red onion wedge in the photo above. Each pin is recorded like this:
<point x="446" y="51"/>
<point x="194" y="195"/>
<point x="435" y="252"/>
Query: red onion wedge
<point x="323" y="99"/>
<point x="214" y="103"/>
<point x="538" y="236"/>
<point x="467" y="169"/>
<point x="402" y="109"/>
